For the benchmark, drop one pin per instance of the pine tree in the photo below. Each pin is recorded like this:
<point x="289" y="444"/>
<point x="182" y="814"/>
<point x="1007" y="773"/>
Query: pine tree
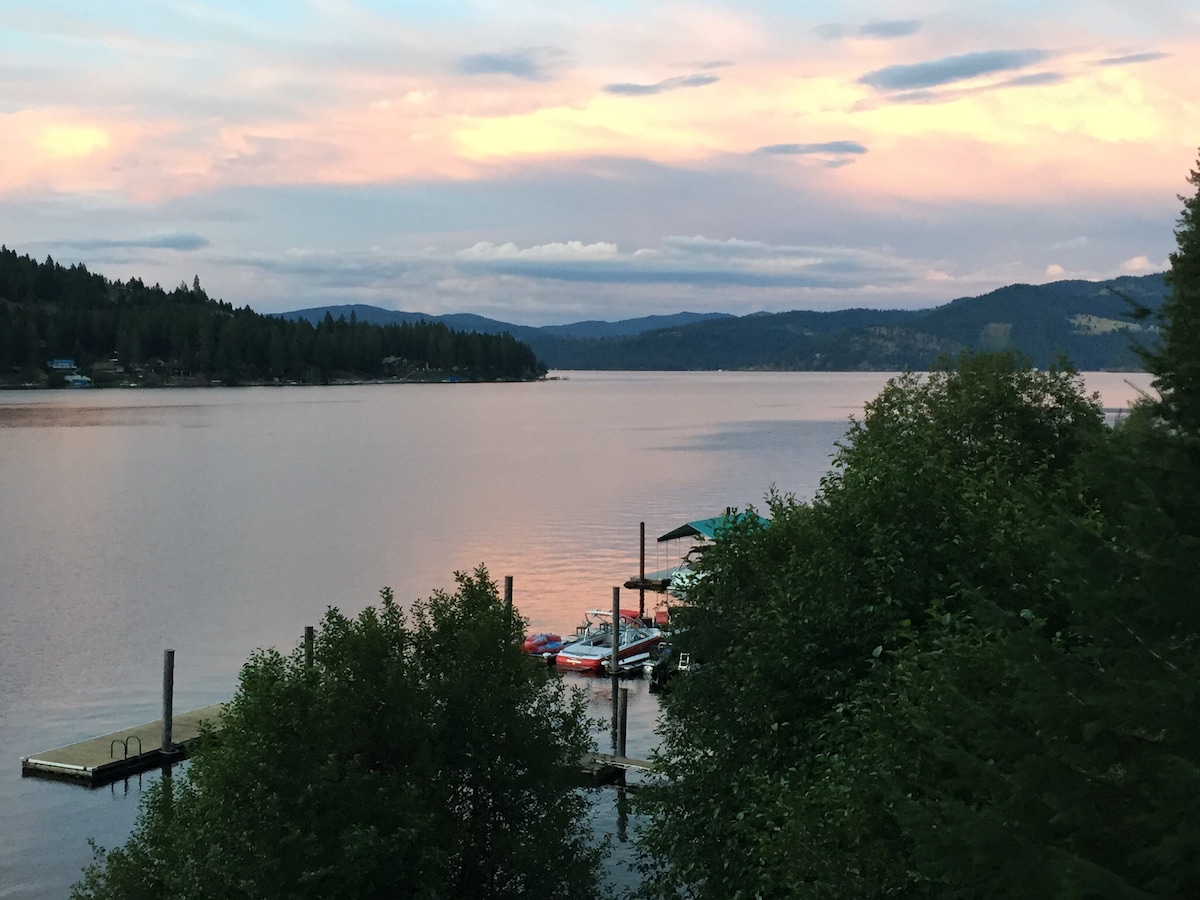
<point x="1176" y="364"/>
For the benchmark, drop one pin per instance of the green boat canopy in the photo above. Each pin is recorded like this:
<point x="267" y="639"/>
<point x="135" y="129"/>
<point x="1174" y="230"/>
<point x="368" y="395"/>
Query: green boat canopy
<point x="709" y="528"/>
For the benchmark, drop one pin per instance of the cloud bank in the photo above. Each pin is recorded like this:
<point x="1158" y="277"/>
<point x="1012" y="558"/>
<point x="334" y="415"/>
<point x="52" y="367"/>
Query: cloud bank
<point x="529" y="65"/>
<point x="1132" y="59"/>
<point x="836" y="147"/>
<point x="951" y="69"/>
<point x="170" y="240"/>
<point x="882" y="29"/>
<point x="693" y="261"/>
<point x="627" y="89"/>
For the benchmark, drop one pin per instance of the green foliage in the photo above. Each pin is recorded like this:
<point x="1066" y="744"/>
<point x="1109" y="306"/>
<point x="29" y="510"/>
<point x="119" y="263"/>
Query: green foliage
<point x="423" y="757"/>
<point x="48" y="311"/>
<point x="960" y="671"/>
<point x="1176" y="365"/>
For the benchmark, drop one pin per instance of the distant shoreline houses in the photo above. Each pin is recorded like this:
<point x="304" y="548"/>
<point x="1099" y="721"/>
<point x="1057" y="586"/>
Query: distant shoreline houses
<point x="69" y="371"/>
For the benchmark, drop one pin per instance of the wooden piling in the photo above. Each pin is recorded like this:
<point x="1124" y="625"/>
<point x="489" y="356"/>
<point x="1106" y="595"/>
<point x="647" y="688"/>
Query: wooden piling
<point x="167" y="796"/>
<point x="622" y="720"/>
<point x="616" y="630"/>
<point x="508" y="596"/>
<point x="168" y="702"/>
<point x="622" y="813"/>
<point x="642" y="573"/>
<point x="308" y="646"/>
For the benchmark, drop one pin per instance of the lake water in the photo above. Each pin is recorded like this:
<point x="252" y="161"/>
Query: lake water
<point x="218" y="521"/>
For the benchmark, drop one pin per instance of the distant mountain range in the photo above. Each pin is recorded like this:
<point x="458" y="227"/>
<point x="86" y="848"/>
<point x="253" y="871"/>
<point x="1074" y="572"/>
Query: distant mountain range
<point x="1086" y="322"/>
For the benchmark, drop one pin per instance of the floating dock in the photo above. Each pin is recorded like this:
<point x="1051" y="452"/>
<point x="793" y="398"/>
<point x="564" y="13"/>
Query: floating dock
<point x="594" y="761"/>
<point x="101" y="760"/>
<point x="610" y="768"/>
<point x="104" y="759"/>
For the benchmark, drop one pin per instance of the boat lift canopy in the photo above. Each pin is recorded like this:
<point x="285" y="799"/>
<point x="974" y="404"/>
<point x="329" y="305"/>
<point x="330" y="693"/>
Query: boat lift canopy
<point x="709" y="528"/>
<point x="702" y="528"/>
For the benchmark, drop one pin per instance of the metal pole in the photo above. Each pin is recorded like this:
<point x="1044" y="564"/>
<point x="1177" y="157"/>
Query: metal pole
<point x="308" y="646"/>
<point x="168" y="698"/>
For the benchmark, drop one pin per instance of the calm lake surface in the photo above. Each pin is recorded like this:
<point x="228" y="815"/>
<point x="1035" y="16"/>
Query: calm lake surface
<point x="218" y="521"/>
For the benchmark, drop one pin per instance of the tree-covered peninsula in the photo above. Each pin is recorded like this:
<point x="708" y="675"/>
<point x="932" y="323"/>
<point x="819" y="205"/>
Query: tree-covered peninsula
<point x="126" y="332"/>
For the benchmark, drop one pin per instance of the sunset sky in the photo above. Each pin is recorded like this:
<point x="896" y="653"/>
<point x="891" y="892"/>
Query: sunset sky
<point x="545" y="163"/>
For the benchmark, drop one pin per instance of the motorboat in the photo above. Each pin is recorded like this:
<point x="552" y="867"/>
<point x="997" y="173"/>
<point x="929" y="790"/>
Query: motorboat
<point x="592" y="647"/>
<point x="630" y="665"/>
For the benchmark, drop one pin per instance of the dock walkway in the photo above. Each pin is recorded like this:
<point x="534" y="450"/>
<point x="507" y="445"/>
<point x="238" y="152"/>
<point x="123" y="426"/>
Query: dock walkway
<point x="100" y="760"/>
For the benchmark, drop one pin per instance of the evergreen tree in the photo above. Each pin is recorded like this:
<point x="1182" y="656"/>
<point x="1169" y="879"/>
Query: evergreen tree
<point x="52" y="311"/>
<point x="1176" y="364"/>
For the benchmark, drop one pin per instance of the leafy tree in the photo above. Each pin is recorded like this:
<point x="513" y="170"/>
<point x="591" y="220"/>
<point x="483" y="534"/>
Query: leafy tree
<point x="422" y="757"/>
<point x="884" y="702"/>
<point x="982" y="666"/>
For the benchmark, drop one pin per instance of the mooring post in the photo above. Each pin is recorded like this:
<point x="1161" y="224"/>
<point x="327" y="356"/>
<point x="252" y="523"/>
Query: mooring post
<point x="308" y="646"/>
<point x="616" y="628"/>
<point x="167" y="795"/>
<point x="622" y="811"/>
<point x="168" y="746"/>
<point x="622" y="720"/>
<point x="642" y="574"/>
<point x="508" y="606"/>
<point x="614" y="693"/>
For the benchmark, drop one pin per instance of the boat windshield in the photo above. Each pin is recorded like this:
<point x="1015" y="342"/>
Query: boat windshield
<point x="598" y="626"/>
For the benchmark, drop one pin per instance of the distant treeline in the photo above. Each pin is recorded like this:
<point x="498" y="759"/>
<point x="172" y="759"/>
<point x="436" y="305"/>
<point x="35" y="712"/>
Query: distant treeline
<point x="116" y="330"/>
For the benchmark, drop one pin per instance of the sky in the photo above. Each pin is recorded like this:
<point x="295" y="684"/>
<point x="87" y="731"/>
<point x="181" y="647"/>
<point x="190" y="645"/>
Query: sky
<point x="544" y="163"/>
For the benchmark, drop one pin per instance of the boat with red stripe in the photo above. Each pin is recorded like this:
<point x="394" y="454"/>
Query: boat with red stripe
<point x="592" y="646"/>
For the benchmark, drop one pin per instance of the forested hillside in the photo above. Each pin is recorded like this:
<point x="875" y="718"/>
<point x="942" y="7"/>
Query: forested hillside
<point x="116" y="331"/>
<point x="1087" y="322"/>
